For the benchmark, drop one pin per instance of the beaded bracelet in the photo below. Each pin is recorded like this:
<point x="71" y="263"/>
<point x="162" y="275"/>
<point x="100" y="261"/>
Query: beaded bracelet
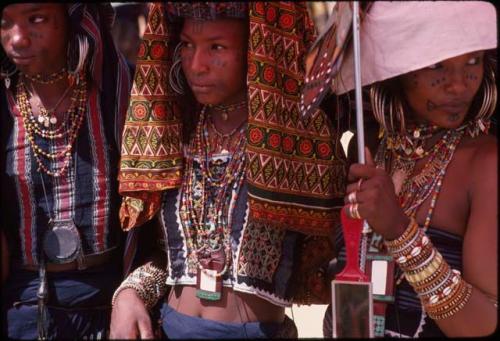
<point x="400" y="242"/>
<point x="434" y="278"/>
<point x="422" y="273"/>
<point x="148" y="281"/>
<point x="453" y="305"/>
<point x="441" y="290"/>
<point x="420" y="256"/>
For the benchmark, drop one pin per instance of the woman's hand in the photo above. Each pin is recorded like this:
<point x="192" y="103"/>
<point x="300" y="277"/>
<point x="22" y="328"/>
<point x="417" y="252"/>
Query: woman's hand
<point x="371" y="196"/>
<point x="130" y="318"/>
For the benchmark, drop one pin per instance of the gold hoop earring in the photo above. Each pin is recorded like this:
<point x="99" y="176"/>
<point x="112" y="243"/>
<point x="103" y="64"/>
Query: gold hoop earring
<point x="377" y="100"/>
<point x="394" y="109"/>
<point x="489" y="97"/>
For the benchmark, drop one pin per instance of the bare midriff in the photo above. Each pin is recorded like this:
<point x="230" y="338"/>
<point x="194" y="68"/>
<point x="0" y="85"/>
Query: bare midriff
<point x="233" y="306"/>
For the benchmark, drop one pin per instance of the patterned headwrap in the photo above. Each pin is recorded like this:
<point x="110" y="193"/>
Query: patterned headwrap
<point x="296" y="168"/>
<point x="106" y="67"/>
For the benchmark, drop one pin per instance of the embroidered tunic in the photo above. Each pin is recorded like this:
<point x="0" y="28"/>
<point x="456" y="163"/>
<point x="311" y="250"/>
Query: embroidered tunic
<point x="262" y="257"/>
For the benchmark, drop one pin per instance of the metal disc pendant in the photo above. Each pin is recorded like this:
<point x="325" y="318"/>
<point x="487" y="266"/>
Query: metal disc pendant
<point x="62" y="243"/>
<point x="53" y="120"/>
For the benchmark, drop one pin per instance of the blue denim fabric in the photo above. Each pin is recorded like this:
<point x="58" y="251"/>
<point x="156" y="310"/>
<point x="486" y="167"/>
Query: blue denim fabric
<point x="79" y="304"/>
<point x="180" y="326"/>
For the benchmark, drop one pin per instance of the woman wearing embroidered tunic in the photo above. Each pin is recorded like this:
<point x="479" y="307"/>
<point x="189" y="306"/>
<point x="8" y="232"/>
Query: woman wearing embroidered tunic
<point x="230" y="257"/>
<point x="63" y="97"/>
<point x="431" y="191"/>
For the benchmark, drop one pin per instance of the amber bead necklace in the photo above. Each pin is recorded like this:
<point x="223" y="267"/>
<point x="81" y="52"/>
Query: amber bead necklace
<point x="75" y="116"/>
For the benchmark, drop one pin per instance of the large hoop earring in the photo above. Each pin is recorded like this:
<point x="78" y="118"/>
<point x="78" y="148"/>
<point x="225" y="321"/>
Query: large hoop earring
<point x="396" y="108"/>
<point x="393" y="106"/>
<point x="82" y="44"/>
<point x="176" y="78"/>
<point x="489" y="96"/>
<point x="8" y="73"/>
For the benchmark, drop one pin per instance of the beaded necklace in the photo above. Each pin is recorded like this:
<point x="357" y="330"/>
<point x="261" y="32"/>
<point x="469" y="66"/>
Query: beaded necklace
<point x="47" y="116"/>
<point x="50" y="79"/>
<point x="223" y="141"/>
<point x="206" y="194"/>
<point x="75" y="116"/>
<point x="225" y="109"/>
<point x="411" y="144"/>
<point x="416" y="188"/>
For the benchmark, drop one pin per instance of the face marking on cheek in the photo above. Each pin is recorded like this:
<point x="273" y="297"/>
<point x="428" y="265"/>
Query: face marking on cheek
<point x="471" y="77"/>
<point x="6" y="38"/>
<point x="218" y="62"/>
<point x="36" y="35"/>
<point x="431" y="105"/>
<point x="185" y="58"/>
<point x="438" y="81"/>
<point x="414" y="80"/>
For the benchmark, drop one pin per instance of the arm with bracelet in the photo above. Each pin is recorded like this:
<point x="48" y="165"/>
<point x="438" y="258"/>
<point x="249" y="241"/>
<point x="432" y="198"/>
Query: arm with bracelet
<point x="143" y="287"/>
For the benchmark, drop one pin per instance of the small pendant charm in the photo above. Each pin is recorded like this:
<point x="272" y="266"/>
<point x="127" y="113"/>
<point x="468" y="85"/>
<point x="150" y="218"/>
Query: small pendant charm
<point x="53" y="120"/>
<point x="209" y="285"/>
<point x="7" y="82"/>
<point x="224" y="116"/>
<point x="41" y="119"/>
<point x="420" y="151"/>
<point x="209" y="278"/>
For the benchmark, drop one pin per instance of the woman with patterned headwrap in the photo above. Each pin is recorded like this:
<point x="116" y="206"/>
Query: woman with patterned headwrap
<point x="236" y="191"/>
<point x="63" y="97"/>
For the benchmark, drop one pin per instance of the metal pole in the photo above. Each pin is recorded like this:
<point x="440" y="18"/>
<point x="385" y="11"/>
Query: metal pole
<point x="360" y="132"/>
<point x="357" y="82"/>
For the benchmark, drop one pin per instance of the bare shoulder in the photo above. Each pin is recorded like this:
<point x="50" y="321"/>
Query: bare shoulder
<point x="482" y="148"/>
<point x="482" y="157"/>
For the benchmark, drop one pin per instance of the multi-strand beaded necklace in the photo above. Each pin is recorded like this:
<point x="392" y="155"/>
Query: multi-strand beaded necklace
<point x="206" y="195"/>
<point x="416" y="188"/>
<point x="399" y="155"/>
<point x="67" y="130"/>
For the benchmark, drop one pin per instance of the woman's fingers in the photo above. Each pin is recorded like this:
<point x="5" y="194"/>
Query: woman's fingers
<point x="145" y="329"/>
<point x="369" y="158"/>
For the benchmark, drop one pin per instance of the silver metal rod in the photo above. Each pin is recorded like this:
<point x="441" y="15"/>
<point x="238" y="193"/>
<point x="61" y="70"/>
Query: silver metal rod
<point x="360" y="132"/>
<point x="357" y="82"/>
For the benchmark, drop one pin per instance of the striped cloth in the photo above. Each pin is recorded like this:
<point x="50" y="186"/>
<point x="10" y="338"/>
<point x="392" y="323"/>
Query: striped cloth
<point x="89" y="192"/>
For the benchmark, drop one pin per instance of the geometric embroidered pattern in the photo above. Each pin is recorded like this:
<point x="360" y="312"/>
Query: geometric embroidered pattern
<point x="295" y="165"/>
<point x="260" y="251"/>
